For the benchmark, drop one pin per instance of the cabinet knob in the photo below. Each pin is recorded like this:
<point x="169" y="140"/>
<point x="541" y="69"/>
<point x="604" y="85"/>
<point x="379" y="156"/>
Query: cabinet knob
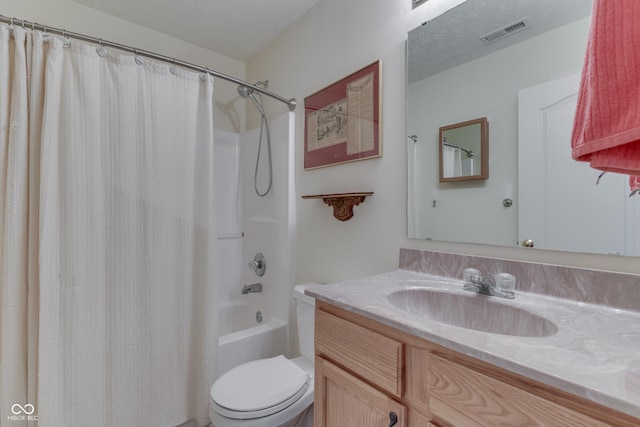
<point x="393" y="419"/>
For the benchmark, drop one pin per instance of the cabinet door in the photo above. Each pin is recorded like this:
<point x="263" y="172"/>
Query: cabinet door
<point x="465" y="397"/>
<point x="342" y="400"/>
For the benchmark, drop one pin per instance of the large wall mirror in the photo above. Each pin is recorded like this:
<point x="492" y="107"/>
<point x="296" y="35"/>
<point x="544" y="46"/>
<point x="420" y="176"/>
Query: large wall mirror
<point x="518" y="64"/>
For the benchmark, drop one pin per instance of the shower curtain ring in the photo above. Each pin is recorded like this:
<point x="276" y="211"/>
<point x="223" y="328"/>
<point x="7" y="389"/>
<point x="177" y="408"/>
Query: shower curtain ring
<point x="204" y="75"/>
<point x="101" y="51"/>
<point x="66" y="42"/>
<point x="45" y="35"/>
<point x="23" y="27"/>
<point x="138" y="58"/>
<point x="11" y="21"/>
<point x="173" y="68"/>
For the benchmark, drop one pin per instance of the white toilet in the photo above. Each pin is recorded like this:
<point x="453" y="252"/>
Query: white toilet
<point x="274" y="392"/>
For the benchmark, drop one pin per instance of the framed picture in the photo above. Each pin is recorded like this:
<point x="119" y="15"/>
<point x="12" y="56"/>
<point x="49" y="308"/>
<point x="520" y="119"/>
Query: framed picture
<point x="342" y="121"/>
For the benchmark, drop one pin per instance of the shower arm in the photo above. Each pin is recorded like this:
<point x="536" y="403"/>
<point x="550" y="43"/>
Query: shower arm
<point x="291" y="103"/>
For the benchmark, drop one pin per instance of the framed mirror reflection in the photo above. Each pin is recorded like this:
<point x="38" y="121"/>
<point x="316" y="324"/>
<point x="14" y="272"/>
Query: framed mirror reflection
<point x="494" y="60"/>
<point x="464" y="151"/>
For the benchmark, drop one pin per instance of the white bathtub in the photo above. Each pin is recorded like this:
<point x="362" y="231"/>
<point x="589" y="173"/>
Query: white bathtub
<point x="242" y="339"/>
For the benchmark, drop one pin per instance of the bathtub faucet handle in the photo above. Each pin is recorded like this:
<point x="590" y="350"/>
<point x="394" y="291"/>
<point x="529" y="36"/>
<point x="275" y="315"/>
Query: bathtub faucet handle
<point x="252" y="289"/>
<point x="258" y="264"/>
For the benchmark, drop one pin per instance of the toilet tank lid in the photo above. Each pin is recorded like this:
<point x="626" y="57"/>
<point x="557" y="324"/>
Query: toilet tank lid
<point x="298" y="292"/>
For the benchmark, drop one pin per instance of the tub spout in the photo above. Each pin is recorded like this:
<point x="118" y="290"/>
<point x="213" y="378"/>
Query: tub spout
<point x="253" y="288"/>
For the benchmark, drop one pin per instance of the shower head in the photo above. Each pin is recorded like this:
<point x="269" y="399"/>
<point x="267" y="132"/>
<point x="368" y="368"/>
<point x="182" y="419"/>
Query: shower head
<point x="244" y="91"/>
<point x="247" y="92"/>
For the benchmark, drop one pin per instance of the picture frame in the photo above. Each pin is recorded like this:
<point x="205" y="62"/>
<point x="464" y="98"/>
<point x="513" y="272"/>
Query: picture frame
<point x="342" y="121"/>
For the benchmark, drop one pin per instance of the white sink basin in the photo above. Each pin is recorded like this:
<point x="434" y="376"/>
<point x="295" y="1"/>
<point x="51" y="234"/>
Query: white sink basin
<point x="472" y="311"/>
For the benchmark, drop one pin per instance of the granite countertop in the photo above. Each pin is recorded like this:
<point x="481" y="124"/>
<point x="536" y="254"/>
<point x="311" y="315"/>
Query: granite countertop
<point x="595" y="353"/>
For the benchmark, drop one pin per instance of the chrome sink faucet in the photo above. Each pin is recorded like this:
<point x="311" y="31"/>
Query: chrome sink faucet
<point x="502" y="286"/>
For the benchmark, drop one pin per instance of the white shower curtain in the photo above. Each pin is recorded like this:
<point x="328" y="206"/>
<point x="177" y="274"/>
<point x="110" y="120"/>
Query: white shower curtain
<point x="107" y="233"/>
<point x="451" y="161"/>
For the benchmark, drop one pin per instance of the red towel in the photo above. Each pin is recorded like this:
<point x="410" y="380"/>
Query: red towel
<point x="606" y="129"/>
<point x="634" y="184"/>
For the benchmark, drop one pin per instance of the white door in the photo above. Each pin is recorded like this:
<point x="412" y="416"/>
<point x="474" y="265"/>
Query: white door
<point x="561" y="207"/>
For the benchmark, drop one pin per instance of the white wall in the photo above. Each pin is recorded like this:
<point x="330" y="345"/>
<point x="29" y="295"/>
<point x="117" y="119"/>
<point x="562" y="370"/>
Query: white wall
<point x="229" y="107"/>
<point x="332" y="40"/>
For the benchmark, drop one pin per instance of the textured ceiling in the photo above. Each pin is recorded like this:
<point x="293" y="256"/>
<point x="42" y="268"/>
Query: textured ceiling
<point x="453" y="38"/>
<point x="234" y="28"/>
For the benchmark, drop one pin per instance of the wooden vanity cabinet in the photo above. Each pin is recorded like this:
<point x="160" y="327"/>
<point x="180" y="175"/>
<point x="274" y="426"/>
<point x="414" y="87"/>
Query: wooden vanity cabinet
<point x="349" y="401"/>
<point x="370" y="374"/>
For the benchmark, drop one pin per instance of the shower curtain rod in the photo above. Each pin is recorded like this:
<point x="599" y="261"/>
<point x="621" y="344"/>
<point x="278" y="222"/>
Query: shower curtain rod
<point x="469" y="153"/>
<point x="291" y="103"/>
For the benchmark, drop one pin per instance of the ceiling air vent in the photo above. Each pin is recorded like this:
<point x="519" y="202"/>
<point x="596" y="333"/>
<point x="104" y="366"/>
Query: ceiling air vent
<point x="507" y="30"/>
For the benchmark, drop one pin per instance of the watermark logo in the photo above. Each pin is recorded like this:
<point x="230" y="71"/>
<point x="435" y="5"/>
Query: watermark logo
<point x="18" y="409"/>
<point x="23" y="412"/>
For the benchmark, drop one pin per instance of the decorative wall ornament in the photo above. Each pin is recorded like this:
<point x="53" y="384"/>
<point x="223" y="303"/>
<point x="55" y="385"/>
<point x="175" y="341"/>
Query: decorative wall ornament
<point x="342" y="203"/>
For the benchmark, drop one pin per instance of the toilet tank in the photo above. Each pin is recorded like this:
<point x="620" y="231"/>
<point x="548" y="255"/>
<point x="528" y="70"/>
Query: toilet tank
<point x="305" y="306"/>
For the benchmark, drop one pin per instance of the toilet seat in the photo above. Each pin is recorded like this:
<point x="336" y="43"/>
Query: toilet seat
<point x="259" y="388"/>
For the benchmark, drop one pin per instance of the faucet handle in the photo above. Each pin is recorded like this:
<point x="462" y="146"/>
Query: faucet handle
<point x="258" y="264"/>
<point x="505" y="281"/>
<point x="468" y="273"/>
<point x="254" y="264"/>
